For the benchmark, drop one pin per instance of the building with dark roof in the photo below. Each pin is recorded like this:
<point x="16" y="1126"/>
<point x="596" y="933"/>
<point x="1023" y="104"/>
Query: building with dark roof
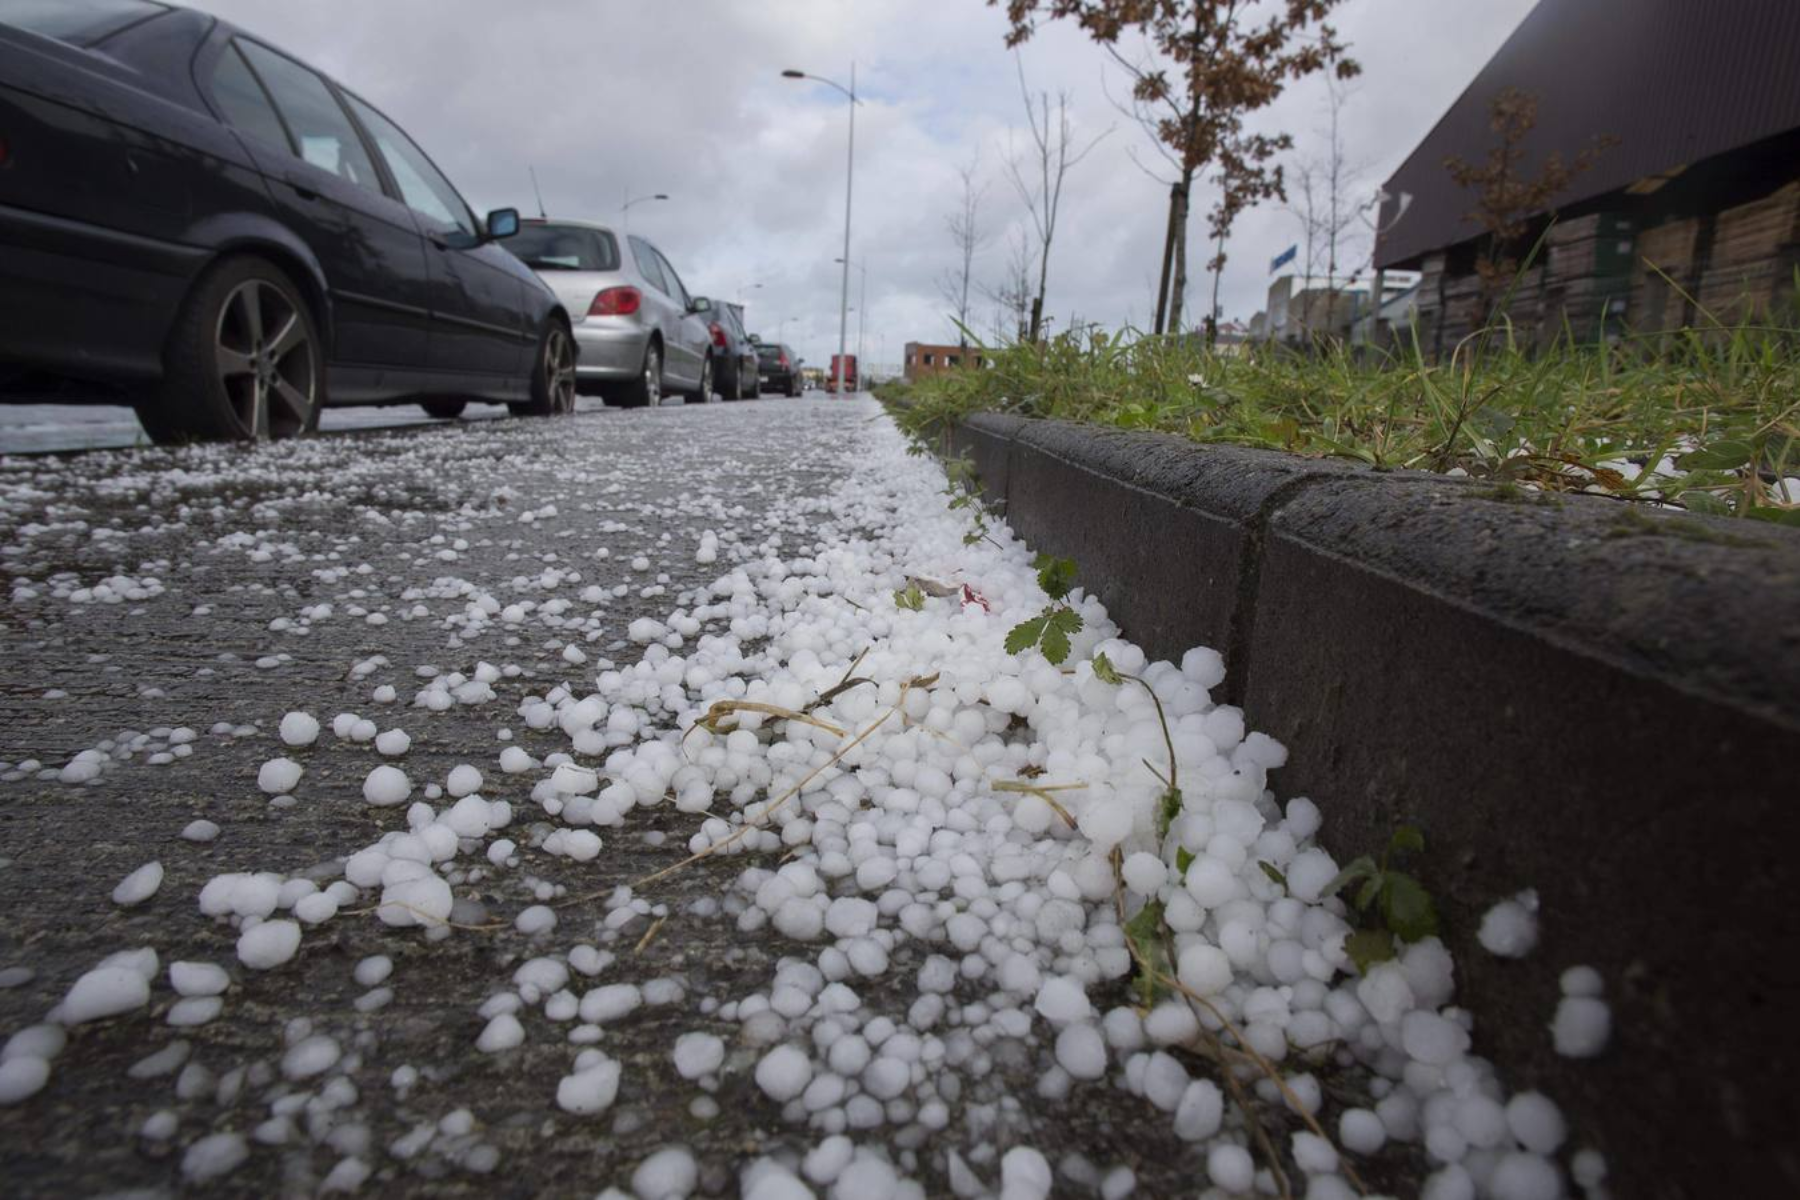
<point x="1693" y="209"/>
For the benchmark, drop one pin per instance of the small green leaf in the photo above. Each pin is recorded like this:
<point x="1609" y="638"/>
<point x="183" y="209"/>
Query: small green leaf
<point x="1777" y="516"/>
<point x="1055" y="575"/>
<point x="1369" y="890"/>
<point x="1060" y="624"/>
<point x="1167" y="809"/>
<point x="1359" y="868"/>
<point x="1406" y="837"/>
<point x="1183" y="859"/>
<point x="1720" y="456"/>
<point x="1275" y="876"/>
<point x="1366" y="947"/>
<point x="1705" y="503"/>
<point x="1145" y="934"/>
<point x="910" y="598"/>
<point x="1104" y="671"/>
<point x="1406" y="907"/>
<point x="1025" y="635"/>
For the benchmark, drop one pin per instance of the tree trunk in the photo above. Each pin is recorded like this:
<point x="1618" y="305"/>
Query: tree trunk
<point x="1176" y="192"/>
<point x="1178" y="287"/>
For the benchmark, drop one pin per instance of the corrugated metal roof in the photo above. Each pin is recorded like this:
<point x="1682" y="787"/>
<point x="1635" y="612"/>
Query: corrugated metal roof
<point x="1675" y="81"/>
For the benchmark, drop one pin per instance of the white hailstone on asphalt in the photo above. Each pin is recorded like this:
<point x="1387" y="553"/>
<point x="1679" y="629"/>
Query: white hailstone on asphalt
<point x="198" y="978"/>
<point x="105" y="991"/>
<point x="1432" y="1039"/>
<point x="138" y="886"/>
<point x="514" y="760"/>
<point x="464" y="780"/>
<point x="1582" y="1026"/>
<point x="311" y="1056"/>
<point x="386" y="786"/>
<point x="1536" y="1123"/>
<point x="1520" y="1175"/>
<point x="1062" y="999"/>
<point x="200" y="831"/>
<point x="784" y="1072"/>
<point x="1200" y="1112"/>
<point x="668" y="1174"/>
<point x="1509" y="929"/>
<point x="299" y="729"/>
<point x="414" y="896"/>
<point x="539" y="918"/>
<point x="1230" y="1167"/>
<point x="1361" y="1131"/>
<point x="278" y="776"/>
<point x="1144" y="872"/>
<point x="373" y="970"/>
<point x="266" y="946"/>
<point x="1203" y="969"/>
<point x="1582" y="981"/>
<point x="1024" y="1175"/>
<point x="1081" y="1051"/>
<point x="393" y="742"/>
<point x="213" y="1156"/>
<point x="503" y="1032"/>
<point x="698" y="1054"/>
<point x="591" y="1088"/>
<point x="22" y="1077"/>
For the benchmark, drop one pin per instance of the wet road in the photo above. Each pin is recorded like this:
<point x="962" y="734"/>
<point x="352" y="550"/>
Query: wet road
<point x="167" y="607"/>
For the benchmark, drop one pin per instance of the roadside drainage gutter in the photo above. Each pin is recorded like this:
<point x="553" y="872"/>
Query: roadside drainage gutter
<point x="1595" y="700"/>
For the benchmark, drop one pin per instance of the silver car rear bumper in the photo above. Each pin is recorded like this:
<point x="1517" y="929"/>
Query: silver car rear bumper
<point x="610" y="352"/>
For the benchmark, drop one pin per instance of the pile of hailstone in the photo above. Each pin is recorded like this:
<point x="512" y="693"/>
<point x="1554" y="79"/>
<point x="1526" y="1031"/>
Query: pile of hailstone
<point x="885" y="861"/>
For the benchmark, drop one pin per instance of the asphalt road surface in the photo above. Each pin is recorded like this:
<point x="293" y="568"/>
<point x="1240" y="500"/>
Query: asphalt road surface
<point x="174" y="676"/>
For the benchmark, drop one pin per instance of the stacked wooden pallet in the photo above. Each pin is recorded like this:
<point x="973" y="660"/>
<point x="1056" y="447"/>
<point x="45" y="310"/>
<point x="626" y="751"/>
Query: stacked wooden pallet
<point x="1667" y="250"/>
<point x="1754" y="252"/>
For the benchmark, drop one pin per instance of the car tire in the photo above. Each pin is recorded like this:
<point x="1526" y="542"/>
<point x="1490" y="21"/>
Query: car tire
<point x="646" y="390"/>
<point x="444" y="408"/>
<point x="244" y="361"/>
<point x="732" y="386"/>
<point x="552" y="375"/>
<point x="703" y="393"/>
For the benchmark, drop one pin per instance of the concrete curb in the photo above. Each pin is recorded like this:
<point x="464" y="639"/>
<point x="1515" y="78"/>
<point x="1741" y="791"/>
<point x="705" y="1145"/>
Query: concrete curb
<point x="1597" y="701"/>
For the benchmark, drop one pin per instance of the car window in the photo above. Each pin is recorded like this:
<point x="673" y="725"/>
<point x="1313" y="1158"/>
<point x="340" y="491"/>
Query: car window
<point x="768" y="353"/>
<point x="676" y="289"/>
<point x="318" y="123"/>
<point x="648" y="267"/>
<point x="422" y="185"/>
<point x="242" y="99"/>
<point x="565" y="248"/>
<point x="77" y="24"/>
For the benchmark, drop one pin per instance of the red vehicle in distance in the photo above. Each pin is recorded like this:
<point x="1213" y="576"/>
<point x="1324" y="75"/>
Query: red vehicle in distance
<point x="848" y="362"/>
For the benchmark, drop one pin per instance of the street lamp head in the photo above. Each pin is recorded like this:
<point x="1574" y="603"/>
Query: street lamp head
<point x="790" y="73"/>
<point x="660" y="196"/>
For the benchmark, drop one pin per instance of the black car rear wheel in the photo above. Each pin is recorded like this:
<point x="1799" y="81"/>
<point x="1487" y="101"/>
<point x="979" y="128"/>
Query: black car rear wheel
<point x="552" y="375"/>
<point x="732" y="385"/>
<point x="444" y="408"/>
<point x="243" y="363"/>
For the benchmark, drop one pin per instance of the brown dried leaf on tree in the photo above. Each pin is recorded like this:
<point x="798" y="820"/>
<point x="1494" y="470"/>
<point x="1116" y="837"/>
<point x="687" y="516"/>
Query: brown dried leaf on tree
<point x="1505" y="199"/>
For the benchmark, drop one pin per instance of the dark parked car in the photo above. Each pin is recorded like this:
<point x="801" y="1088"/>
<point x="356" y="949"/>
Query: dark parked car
<point x="735" y="371"/>
<point x="780" y="368"/>
<point x="234" y="240"/>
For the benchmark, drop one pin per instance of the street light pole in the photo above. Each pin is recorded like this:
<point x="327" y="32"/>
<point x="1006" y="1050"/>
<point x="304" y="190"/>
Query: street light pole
<point x="849" y="182"/>
<point x="625" y="209"/>
<point x="862" y="310"/>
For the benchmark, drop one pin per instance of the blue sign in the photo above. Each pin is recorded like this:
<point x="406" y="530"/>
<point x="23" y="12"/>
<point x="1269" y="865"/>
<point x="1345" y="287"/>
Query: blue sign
<point x="1284" y="258"/>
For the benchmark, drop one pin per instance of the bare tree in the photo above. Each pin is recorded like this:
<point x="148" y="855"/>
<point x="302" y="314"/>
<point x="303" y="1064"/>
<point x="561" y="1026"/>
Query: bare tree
<point x="1320" y="198"/>
<point x="1012" y="296"/>
<point x="964" y="224"/>
<point x="1040" y="181"/>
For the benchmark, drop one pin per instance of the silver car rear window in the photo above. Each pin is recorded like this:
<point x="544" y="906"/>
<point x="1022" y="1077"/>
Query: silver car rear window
<point x="564" y="248"/>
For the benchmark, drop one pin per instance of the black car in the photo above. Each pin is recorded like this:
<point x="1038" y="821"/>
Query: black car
<point x="735" y="373"/>
<point x="232" y="240"/>
<point x="780" y="368"/>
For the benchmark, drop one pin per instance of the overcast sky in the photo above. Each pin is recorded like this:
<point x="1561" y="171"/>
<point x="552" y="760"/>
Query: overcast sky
<point x="685" y="97"/>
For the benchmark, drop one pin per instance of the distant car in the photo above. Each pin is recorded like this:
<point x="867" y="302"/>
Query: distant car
<point x="844" y="364"/>
<point x="231" y="241"/>
<point x="780" y="368"/>
<point x="641" y="335"/>
<point x="735" y="373"/>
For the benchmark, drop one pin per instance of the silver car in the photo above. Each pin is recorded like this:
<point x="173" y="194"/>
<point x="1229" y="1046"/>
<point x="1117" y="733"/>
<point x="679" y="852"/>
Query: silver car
<point x="641" y="335"/>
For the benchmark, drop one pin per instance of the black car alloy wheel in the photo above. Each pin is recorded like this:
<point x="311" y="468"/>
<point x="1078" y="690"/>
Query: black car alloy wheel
<point x="559" y="368"/>
<point x="266" y="361"/>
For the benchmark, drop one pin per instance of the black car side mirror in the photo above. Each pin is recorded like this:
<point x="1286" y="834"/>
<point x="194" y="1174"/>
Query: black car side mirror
<point x="502" y="223"/>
